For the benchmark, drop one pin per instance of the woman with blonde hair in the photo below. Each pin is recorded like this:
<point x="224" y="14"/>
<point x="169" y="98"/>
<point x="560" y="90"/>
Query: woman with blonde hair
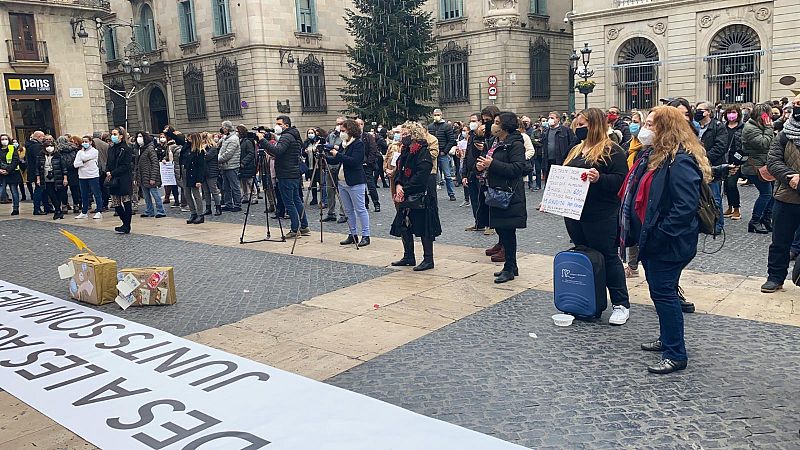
<point x="597" y="228"/>
<point x="660" y="199"/>
<point x="211" y="181"/>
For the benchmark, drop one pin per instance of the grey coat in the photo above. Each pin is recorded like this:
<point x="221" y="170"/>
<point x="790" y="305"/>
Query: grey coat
<point x="229" y="152"/>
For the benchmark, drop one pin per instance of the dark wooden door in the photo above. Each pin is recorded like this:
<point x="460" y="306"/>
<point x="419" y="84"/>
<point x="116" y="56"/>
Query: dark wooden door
<point x="23" y="36"/>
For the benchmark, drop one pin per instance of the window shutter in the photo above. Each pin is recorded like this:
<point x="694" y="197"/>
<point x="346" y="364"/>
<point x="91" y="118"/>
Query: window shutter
<point x="226" y="6"/>
<point x="183" y="21"/>
<point x="542" y="7"/>
<point x="217" y="19"/>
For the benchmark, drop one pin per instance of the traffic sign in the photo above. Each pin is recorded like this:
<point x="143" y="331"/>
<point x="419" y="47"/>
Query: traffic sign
<point x="492" y="80"/>
<point x="493" y="92"/>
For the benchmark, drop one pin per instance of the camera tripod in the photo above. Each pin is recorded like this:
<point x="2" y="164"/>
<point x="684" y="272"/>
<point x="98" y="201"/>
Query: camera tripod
<point x="269" y="191"/>
<point x="320" y="166"/>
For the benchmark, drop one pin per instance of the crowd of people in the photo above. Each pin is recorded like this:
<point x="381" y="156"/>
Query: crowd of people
<point x="645" y="171"/>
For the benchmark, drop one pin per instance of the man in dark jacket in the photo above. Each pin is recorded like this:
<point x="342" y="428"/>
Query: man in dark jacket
<point x="444" y="134"/>
<point x="557" y="141"/>
<point x="33" y="151"/>
<point x="371" y="156"/>
<point x="616" y="122"/>
<point x="714" y="137"/>
<point x="286" y="152"/>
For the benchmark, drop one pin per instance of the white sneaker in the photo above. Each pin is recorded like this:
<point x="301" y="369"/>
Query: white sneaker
<point x="82" y="216"/>
<point x="98" y="216"/>
<point x="619" y="316"/>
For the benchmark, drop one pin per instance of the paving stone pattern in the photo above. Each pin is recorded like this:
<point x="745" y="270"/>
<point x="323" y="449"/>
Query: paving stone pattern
<point x="210" y="280"/>
<point x="743" y="253"/>
<point x="586" y="386"/>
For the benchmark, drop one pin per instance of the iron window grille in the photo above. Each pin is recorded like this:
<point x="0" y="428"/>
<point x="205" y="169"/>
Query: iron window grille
<point x="734" y="65"/>
<point x="453" y="65"/>
<point x="228" y="88"/>
<point x="539" y="53"/>
<point x="637" y="74"/>
<point x="195" y="91"/>
<point x="313" y="98"/>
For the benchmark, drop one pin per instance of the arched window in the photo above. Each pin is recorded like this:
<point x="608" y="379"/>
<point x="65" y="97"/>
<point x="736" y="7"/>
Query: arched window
<point x="454" y="75"/>
<point x="734" y="69"/>
<point x="539" y="53"/>
<point x="312" y="85"/>
<point x="146" y="29"/>
<point x="637" y="74"/>
<point x="195" y="92"/>
<point x="228" y="89"/>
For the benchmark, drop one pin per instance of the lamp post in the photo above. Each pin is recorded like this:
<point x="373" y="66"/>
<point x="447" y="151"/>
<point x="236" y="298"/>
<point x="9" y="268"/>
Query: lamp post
<point x="584" y="72"/>
<point x="134" y="63"/>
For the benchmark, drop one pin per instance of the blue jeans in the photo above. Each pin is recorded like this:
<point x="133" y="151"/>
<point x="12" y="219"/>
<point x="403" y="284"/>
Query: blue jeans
<point x="716" y="190"/>
<point x="795" y="244"/>
<point x="289" y="188"/>
<point x="87" y="185"/>
<point x="151" y="193"/>
<point x="536" y="164"/>
<point x="354" y="206"/>
<point x="662" y="278"/>
<point x="444" y="167"/>
<point x="38" y="198"/>
<point x="762" y="209"/>
<point x="230" y="188"/>
<point x="14" y="192"/>
<point x="787" y="225"/>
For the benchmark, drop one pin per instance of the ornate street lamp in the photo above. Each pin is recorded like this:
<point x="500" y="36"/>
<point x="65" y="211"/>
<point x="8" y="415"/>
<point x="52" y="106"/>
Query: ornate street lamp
<point x="585" y="87"/>
<point x="134" y="63"/>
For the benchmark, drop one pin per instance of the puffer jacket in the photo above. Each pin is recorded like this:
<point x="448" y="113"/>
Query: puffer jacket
<point x="59" y="171"/>
<point x="229" y="152"/>
<point x="247" y="157"/>
<point x="212" y="163"/>
<point x="756" y="140"/>
<point x="783" y="162"/>
<point x="147" y="166"/>
<point x="287" y="154"/>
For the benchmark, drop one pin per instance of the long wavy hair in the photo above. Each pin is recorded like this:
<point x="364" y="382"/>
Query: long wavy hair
<point x="197" y="142"/>
<point x="672" y="133"/>
<point x="597" y="144"/>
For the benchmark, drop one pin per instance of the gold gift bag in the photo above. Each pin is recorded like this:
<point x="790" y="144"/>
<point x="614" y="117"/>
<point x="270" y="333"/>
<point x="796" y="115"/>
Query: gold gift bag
<point x="156" y="286"/>
<point x="95" y="279"/>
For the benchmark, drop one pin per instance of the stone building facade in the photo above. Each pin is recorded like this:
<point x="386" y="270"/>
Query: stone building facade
<point x="732" y="51"/>
<point x="248" y="60"/>
<point x="52" y="79"/>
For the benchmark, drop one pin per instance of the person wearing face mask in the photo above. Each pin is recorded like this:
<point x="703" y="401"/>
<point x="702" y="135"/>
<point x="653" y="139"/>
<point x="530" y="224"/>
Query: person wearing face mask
<point x="161" y="146"/>
<point x="148" y="175"/>
<point x="334" y="140"/>
<point x="616" y="121"/>
<point x="229" y="152"/>
<point x="68" y="152"/>
<point x="371" y="158"/>
<point x="757" y="136"/>
<point x="352" y="183"/>
<point x="606" y="164"/>
<point x="33" y="147"/>
<point x="446" y="139"/>
<point x="52" y="174"/>
<point x="469" y="173"/>
<point x="500" y="168"/>
<point x="119" y="180"/>
<point x="314" y="138"/>
<point x="411" y="180"/>
<point x="733" y="126"/>
<point x="713" y="136"/>
<point x="637" y="119"/>
<point x="10" y="174"/>
<point x="458" y="157"/>
<point x="100" y="142"/>
<point x="89" y="176"/>
<point x="557" y="141"/>
<point x="382" y="138"/>
<point x="784" y="117"/>
<point x="286" y="152"/>
<point x="783" y="163"/>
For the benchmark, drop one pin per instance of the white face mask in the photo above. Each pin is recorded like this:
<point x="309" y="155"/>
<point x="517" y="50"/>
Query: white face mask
<point x="551" y="122"/>
<point x="4" y="142"/>
<point x="162" y="140"/>
<point x="473" y="126"/>
<point x="345" y="136"/>
<point x="278" y="129"/>
<point x="646" y="136"/>
<point x="50" y="149"/>
<point x="140" y="140"/>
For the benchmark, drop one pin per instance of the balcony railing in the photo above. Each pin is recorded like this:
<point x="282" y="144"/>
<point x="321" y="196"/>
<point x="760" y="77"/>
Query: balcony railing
<point x="623" y="3"/>
<point x="27" y="52"/>
<point x="94" y="4"/>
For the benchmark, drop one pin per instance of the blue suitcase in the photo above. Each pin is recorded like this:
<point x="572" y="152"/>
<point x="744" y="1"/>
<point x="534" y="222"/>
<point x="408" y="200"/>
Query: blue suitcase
<point x="579" y="279"/>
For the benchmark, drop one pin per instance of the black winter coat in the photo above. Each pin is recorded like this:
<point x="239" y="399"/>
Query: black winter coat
<point x="622" y="126"/>
<point x="470" y="158"/>
<point x="32" y="151"/>
<point x="58" y="173"/>
<point x="444" y="134"/>
<point x="414" y="174"/>
<point x="715" y="141"/>
<point x="186" y="146"/>
<point x="120" y="163"/>
<point x="734" y="139"/>
<point x="14" y="175"/>
<point x="195" y="168"/>
<point x="68" y="154"/>
<point x="371" y="152"/>
<point x="506" y="172"/>
<point x="212" y="163"/>
<point x="286" y="153"/>
<point x="247" y="158"/>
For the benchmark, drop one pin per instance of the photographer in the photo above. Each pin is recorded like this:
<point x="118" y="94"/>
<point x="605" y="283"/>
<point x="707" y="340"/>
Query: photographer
<point x="286" y="152"/>
<point x="313" y="149"/>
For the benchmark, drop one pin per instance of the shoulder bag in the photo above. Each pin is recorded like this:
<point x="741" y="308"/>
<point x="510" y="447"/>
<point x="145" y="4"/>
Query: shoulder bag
<point x="415" y="201"/>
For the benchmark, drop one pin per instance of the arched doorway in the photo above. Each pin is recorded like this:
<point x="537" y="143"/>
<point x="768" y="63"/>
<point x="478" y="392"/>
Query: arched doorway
<point x="637" y="74"/>
<point x="734" y="69"/>
<point x="159" y="117"/>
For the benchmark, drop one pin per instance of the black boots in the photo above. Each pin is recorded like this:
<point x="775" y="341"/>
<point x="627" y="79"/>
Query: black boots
<point x="427" y="261"/>
<point x="218" y="210"/>
<point x="408" y="253"/>
<point x="758" y="228"/>
<point x="207" y="211"/>
<point x="192" y="219"/>
<point x="351" y="239"/>
<point x="199" y="219"/>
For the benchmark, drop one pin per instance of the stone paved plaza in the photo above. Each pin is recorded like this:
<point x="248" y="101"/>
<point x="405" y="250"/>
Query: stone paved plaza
<point x="448" y="343"/>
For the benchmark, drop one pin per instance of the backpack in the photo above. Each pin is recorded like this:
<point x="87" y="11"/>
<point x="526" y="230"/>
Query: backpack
<point x="707" y="212"/>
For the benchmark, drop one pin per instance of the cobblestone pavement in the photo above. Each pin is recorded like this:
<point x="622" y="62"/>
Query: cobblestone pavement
<point x="743" y="253"/>
<point x="215" y="285"/>
<point x="586" y="386"/>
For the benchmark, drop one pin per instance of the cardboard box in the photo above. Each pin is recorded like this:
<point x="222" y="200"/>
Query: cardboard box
<point x="94" y="279"/>
<point x="146" y="286"/>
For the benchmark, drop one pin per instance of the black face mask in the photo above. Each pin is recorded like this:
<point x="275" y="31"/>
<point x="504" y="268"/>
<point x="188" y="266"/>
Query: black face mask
<point x="406" y="141"/>
<point x="582" y="133"/>
<point x="775" y="117"/>
<point x="796" y="113"/>
<point x="698" y="116"/>
<point x="488" y="126"/>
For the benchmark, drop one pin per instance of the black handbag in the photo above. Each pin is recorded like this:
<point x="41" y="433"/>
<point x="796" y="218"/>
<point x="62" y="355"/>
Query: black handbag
<point x="415" y="201"/>
<point x="498" y="198"/>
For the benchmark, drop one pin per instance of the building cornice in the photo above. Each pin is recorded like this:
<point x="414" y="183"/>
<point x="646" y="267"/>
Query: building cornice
<point x="642" y="8"/>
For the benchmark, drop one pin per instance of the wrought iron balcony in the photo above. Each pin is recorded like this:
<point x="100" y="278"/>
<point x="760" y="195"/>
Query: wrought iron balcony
<point x="623" y="3"/>
<point x="104" y="5"/>
<point x="27" y="52"/>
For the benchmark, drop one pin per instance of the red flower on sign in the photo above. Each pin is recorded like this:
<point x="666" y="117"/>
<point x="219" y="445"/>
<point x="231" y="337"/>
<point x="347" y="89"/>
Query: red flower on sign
<point x="634" y="92"/>
<point x="728" y="85"/>
<point x="647" y="91"/>
<point x="415" y="148"/>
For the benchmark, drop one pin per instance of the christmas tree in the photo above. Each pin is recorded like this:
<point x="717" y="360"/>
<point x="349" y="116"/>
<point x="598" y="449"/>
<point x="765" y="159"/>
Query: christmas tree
<point x="391" y="70"/>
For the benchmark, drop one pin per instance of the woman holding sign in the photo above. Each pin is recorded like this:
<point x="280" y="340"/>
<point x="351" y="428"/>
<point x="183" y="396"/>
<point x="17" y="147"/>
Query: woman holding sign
<point x="597" y="228"/>
<point x="500" y="170"/>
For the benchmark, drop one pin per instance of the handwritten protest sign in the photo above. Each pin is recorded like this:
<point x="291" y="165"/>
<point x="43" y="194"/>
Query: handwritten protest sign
<point x="168" y="174"/>
<point x="565" y="192"/>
